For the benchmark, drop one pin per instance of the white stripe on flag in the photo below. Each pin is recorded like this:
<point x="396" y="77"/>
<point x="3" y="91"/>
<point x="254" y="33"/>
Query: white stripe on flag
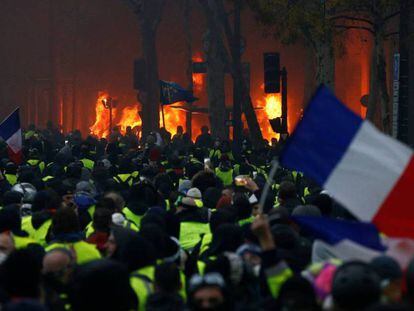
<point x="15" y="141"/>
<point x="368" y="171"/>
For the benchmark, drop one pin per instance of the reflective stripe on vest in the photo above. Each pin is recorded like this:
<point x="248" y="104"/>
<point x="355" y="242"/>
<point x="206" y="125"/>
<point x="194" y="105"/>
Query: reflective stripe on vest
<point x="246" y="221"/>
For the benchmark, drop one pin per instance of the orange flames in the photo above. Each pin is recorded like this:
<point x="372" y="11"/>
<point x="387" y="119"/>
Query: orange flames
<point x="270" y="107"/>
<point x="198" y="78"/>
<point x="173" y="118"/>
<point x="129" y="117"/>
<point x="101" y="126"/>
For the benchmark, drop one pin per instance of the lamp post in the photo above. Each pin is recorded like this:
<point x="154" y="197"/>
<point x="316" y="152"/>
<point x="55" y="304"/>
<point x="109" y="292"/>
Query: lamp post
<point x="109" y="103"/>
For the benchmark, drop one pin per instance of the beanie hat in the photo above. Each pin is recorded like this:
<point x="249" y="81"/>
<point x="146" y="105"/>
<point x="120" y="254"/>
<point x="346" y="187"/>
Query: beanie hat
<point x="193" y="198"/>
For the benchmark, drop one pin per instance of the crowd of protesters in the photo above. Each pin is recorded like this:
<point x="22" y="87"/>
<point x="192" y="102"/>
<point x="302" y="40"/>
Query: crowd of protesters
<point x="168" y="224"/>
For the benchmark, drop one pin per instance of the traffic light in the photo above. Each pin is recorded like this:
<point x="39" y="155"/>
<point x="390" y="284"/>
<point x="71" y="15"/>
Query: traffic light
<point x="271" y="72"/>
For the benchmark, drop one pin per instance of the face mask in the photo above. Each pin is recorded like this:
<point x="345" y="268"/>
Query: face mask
<point x="3" y="257"/>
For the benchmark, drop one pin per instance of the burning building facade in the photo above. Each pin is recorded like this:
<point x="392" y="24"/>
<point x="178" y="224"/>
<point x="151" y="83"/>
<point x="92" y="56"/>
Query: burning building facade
<point x="71" y="54"/>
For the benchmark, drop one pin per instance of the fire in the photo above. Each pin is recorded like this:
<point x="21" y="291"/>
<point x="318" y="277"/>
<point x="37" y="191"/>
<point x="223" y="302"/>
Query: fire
<point x="198" y="78"/>
<point x="273" y="106"/>
<point x="173" y="118"/>
<point x="129" y="117"/>
<point x="269" y="107"/>
<point x="101" y="126"/>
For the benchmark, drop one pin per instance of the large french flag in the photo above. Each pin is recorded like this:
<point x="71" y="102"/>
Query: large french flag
<point x="11" y="132"/>
<point x="368" y="172"/>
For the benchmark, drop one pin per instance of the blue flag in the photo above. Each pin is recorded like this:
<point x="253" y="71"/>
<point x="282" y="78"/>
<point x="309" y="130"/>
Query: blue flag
<point x="334" y="231"/>
<point x="171" y="92"/>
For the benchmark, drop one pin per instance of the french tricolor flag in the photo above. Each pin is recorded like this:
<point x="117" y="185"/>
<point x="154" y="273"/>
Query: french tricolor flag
<point x="11" y="132"/>
<point x="368" y="172"/>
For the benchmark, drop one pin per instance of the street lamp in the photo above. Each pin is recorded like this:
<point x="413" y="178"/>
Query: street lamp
<point x="109" y="103"/>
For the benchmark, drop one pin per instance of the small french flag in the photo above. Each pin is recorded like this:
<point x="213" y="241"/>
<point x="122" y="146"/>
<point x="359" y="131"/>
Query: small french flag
<point x="368" y="172"/>
<point x="11" y="132"/>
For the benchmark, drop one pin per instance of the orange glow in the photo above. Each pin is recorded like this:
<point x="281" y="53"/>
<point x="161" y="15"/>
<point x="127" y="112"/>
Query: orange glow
<point x="269" y="107"/>
<point x="173" y="118"/>
<point x="198" y="78"/>
<point x="101" y="126"/>
<point x="129" y="117"/>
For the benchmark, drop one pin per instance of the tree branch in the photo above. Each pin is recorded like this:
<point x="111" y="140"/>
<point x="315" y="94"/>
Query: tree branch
<point x="355" y="27"/>
<point x="386" y="18"/>
<point x="358" y="19"/>
<point x="395" y="33"/>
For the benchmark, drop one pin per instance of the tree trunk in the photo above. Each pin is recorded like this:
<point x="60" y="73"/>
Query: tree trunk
<point x="378" y="105"/>
<point x="325" y="59"/>
<point x="215" y="84"/>
<point x="373" y="84"/>
<point x="242" y="91"/>
<point x="149" y="14"/>
<point x="383" y="89"/>
<point x="309" y="77"/>
<point x="150" y="106"/>
<point x="189" y="47"/>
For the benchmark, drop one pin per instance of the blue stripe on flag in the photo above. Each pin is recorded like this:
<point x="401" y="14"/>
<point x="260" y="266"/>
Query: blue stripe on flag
<point x="322" y="137"/>
<point x="333" y="231"/>
<point x="10" y="125"/>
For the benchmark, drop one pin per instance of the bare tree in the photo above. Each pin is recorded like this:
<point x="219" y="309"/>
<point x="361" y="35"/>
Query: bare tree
<point x="230" y="38"/>
<point x="149" y="13"/>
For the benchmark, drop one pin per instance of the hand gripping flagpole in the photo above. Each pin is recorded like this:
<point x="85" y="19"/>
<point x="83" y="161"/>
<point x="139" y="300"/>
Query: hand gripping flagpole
<point x="268" y="184"/>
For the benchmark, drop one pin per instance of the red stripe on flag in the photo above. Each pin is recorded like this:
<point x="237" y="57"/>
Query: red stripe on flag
<point x="395" y="217"/>
<point x="17" y="158"/>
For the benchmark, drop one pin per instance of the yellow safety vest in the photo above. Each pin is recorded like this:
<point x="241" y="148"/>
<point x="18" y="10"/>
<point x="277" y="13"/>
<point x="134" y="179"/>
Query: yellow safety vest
<point x="84" y="251"/>
<point x="245" y="221"/>
<point x="142" y="283"/>
<point x="205" y="242"/>
<point x="39" y="234"/>
<point x="191" y="232"/>
<point x="88" y="163"/>
<point x="124" y="178"/>
<point x="11" y="178"/>
<point x="22" y="242"/>
<point x="38" y="163"/>
<point x="136" y="219"/>
<point x="226" y="177"/>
